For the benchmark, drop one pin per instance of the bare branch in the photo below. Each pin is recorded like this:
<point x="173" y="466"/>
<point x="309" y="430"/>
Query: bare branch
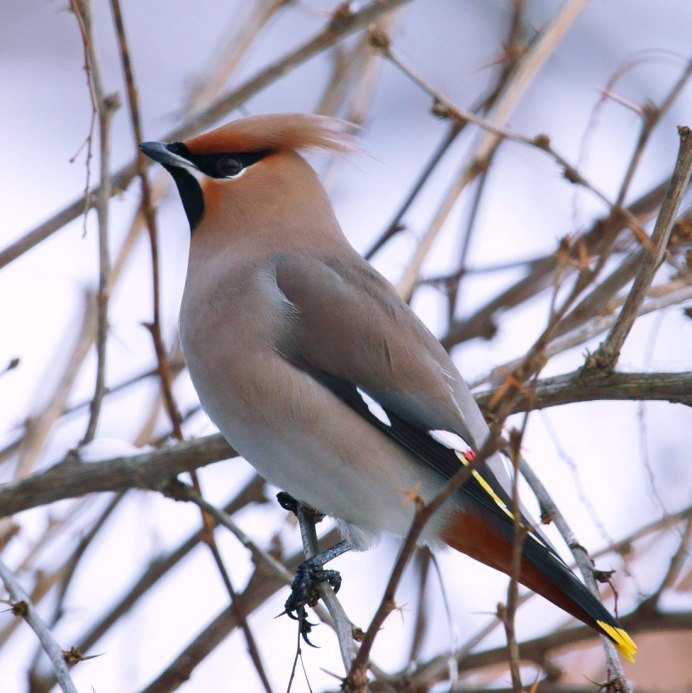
<point x="105" y="106"/>
<point x="22" y="606"/>
<point x="581" y="386"/>
<point x="609" y="351"/>
<point x="72" y="478"/>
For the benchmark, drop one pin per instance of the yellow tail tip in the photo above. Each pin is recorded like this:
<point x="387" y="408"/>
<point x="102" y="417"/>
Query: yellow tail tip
<point x="624" y="644"/>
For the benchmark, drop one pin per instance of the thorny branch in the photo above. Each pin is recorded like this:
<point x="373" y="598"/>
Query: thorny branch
<point x="21" y="605"/>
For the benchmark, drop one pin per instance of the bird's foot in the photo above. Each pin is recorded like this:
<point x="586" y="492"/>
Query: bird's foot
<point x="305" y="592"/>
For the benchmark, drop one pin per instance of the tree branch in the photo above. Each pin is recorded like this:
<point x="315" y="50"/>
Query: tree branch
<point x="587" y="386"/>
<point x="72" y="478"/>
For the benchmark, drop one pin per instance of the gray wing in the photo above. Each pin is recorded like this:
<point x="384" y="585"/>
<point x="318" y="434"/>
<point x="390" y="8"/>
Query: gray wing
<point x="352" y="326"/>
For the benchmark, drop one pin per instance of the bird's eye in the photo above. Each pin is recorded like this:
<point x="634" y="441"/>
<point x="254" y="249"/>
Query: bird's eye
<point x="229" y="166"/>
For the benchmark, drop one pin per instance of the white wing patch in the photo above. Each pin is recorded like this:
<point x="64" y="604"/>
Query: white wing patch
<point x="450" y="440"/>
<point x="375" y="408"/>
<point x="464" y="452"/>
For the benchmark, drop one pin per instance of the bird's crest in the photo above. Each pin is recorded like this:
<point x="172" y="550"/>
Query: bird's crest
<point x="277" y="131"/>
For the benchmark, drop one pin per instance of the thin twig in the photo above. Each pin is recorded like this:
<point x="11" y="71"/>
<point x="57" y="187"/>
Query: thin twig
<point x="482" y="322"/>
<point x="608" y="352"/>
<point x="150" y="216"/>
<point x="105" y="106"/>
<point x="508" y="613"/>
<point x="22" y="606"/>
<point x="673" y="295"/>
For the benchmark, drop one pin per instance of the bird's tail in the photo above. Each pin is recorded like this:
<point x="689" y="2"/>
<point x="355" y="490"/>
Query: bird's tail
<point x="542" y="571"/>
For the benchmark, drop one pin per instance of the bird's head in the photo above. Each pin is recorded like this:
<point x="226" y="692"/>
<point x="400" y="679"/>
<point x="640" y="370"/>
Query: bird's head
<point x="248" y="162"/>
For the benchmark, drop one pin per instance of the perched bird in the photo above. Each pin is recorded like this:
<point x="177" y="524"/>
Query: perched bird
<point x="319" y="374"/>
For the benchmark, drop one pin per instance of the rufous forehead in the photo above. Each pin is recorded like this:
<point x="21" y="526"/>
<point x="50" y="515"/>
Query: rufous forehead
<point x="221" y="140"/>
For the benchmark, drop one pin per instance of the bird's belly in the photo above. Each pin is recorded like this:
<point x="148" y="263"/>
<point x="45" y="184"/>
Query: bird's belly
<point x="304" y="440"/>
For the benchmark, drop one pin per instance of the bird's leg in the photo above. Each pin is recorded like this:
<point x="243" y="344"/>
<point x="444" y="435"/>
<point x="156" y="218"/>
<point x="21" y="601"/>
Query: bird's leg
<point x="311" y="572"/>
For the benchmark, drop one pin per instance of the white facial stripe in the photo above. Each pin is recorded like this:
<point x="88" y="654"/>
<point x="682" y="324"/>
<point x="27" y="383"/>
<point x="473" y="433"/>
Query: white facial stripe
<point x="237" y="175"/>
<point x="195" y="172"/>
<point x="375" y="408"/>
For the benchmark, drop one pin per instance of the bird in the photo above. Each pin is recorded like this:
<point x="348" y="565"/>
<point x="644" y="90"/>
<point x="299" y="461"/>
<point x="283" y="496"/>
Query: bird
<point x="320" y="375"/>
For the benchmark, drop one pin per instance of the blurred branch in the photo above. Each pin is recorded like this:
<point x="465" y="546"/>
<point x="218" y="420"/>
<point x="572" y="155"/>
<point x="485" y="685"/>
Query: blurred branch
<point x="526" y="70"/>
<point x="231" y="50"/>
<point x="147" y="207"/>
<point x="21" y="606"/>
<point x="339" y="27"/>
<point x="651" y="116"/>
<point x="668" y="296"/>
<point x="482" y="322"/>
<point x="39" y="426"/>
<point x="674" y="567"/>
<point x="539" y="649"/>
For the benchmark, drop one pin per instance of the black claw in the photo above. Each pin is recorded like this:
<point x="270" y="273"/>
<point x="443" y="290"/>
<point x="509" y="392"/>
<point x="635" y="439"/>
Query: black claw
<point x="304" y="593"/>
<point x="306" y="628"/>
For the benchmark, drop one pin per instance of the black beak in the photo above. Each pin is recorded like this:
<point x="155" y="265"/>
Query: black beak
<point x="159" y="152"/>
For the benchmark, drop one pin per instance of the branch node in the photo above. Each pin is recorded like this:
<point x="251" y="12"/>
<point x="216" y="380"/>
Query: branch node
<point x="379" y="39"/>
<point x="542" y="141"/>
<point x="341" y="16"/>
